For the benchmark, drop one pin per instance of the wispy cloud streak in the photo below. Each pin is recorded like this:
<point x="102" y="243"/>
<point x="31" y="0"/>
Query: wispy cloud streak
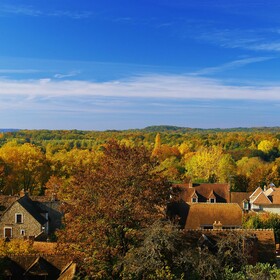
<point x="26" y="10"/>
<point x="149" y="86"/>
<point x="230" y="65"/>
<point x="250" y="39"/>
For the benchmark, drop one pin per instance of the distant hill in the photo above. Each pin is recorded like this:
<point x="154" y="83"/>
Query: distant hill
<point x="8" y="130"/>
<point x="166" y="128"/>
<point x="178" y="129"/>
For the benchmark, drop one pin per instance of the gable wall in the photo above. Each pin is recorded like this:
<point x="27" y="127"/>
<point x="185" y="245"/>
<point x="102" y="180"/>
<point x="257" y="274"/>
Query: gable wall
<point x="31" y="226"/>
<point x="271" y="208"/>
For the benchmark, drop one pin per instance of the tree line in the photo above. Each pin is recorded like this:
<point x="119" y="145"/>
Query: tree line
<point x="247" y="158"/>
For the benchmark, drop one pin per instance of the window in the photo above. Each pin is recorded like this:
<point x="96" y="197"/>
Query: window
<point x="246" y="205"/>
<point x="8" y="232"/>
<point x="22" y="232"/>
<point x="206" y="226"/>
<point x="19" y="218"/>
<point x="212" y="200"/>
<point x="194" y="199"/>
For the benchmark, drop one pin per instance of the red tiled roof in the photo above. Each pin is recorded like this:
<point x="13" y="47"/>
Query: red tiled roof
<point x="256" y="193"/>
<point x="205" y="191"/>
<point x="239" y="197"/>
<point x="265" y="240"/>
<point x="261" y="199"/>
<point x="202" y="214"/>
<point x="275" y="196"/>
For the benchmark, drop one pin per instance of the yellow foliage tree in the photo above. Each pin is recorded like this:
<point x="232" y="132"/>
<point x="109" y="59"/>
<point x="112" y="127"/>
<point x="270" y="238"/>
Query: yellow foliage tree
<point x="27" y="168"/>
<point x="265" y="146"/>
<point x="210" y="164"/>
<point x="16" y="247"/>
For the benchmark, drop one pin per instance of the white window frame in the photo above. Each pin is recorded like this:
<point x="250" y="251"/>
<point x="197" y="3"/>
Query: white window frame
<point x="194" y="200"/>
<point x="16" y="214"/>
<point x="5" y="231"/>
<point x="212" y="200"/>
<point x="245" y="205"/>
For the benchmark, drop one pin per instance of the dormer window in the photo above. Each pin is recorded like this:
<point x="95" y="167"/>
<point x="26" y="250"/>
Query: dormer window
<point x="19" y="218"/>
<point x="212" y="200"/>
<point x="194" y="200"/>
<point x="245" y="205"/>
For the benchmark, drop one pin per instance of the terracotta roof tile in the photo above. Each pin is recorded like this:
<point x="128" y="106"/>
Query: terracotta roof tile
<point x="205" y="191"/>
<point x="68" y="272"/>
<point x="256" y="193"/>
<point x="261" y="199"/>
<point x="229" y="214"/>
<point x="265" y="240"/>
<point x="275" y="196"/>
<point x="239" y="197"/>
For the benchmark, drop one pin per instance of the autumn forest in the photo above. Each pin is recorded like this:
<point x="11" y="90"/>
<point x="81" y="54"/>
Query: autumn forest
<point x="115" y="186"/>
<point x="39" y="160"/>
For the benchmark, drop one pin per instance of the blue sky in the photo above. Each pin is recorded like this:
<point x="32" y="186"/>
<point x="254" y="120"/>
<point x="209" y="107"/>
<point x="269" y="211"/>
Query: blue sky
<point x="97" y="65"/>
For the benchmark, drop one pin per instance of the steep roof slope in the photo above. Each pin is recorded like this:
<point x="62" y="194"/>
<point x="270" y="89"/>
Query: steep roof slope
<point x="205" y="191"/>
<point x="229" y="214"/>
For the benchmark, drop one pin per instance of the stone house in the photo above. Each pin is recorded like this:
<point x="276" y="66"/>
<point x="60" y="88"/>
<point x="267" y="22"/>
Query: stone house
<point x="26" y="218"/>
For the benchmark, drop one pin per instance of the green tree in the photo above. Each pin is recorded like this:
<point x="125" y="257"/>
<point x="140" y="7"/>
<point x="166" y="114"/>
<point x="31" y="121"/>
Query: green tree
<point x="163" y="254"/>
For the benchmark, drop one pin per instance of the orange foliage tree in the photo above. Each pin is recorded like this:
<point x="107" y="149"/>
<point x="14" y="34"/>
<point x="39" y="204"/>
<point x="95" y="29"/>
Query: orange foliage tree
<point x="110" y="205"/>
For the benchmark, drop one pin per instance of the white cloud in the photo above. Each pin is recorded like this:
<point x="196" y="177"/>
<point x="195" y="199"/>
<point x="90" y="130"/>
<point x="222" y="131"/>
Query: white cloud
<point x="62" y="76"/>
<point x="27" y="10"/>
<point x="149" y="86"/>
<point x="231" y="65"/>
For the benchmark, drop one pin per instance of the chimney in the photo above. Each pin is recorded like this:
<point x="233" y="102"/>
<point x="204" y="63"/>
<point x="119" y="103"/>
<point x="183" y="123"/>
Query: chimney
<point x="54" y="197"/>
<point x="22" y="193"/>
<point x="190" y="184"/>
<point x="217" y="225"/>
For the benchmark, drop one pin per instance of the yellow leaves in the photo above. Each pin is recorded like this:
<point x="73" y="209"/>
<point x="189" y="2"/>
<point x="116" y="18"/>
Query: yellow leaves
<point x="211" y="165"/>
<point x="16" y="247"/>
<point x="265" y="146"/>
<point x="27" y="167"/>
<point x="68" y="163"/>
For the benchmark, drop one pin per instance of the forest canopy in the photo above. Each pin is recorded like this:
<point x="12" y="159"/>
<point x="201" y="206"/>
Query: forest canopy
<point x="244" y="157"/>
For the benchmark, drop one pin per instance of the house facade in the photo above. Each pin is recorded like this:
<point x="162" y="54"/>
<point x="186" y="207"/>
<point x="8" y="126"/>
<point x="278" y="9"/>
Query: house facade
<point x="267" y="200"/>
<point x="26" y="218"/>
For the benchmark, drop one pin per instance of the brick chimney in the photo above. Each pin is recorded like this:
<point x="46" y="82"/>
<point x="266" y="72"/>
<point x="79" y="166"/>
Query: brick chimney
<point x="217" y="225"/>
<point x="22" y="193"/>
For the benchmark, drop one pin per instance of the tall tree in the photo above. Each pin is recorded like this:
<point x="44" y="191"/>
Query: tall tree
<point x="109" y="205"/>
<point x="27" y="168"/>
<point x="210" y="164"/>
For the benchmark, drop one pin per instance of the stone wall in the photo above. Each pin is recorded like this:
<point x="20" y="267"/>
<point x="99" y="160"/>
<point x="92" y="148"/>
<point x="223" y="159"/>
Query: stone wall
<point x="30" y="225"/>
